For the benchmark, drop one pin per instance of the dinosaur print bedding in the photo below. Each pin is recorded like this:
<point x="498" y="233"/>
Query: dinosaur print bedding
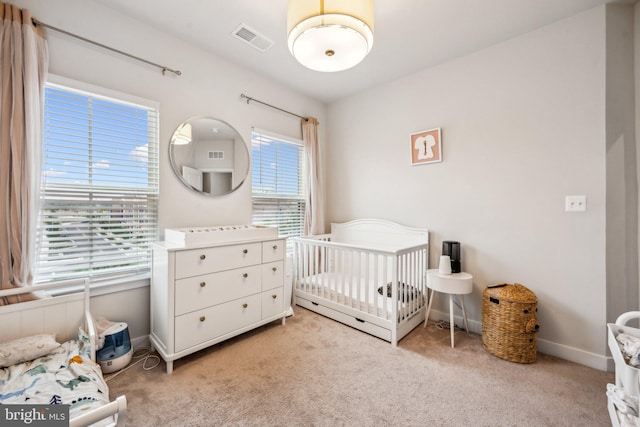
<point x="65" y="376"/>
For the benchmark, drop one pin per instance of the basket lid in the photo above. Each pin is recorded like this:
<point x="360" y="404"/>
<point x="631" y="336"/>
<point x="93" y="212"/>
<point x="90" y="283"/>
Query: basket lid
<point x="513" y="293"/>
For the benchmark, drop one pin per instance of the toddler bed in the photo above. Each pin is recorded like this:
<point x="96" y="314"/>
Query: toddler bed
<point x="47" y="358"/>
<point x="349" y="276"/>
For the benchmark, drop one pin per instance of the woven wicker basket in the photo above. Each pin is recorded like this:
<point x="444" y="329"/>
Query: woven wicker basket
<point x="509" y="322"/>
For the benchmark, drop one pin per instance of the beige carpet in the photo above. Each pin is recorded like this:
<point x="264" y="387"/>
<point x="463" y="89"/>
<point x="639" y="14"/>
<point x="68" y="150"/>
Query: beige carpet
<point x="317" y="372"/>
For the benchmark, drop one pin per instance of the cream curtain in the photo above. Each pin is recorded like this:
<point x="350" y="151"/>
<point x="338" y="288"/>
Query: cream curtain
<point x="314" y="212"/>
<point x="24" y="60"/>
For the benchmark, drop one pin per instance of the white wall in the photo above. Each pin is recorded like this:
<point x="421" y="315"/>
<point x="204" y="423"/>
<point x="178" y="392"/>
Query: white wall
<point x="621" y="160"/>
<point x="208" y="86"/>
<point x="523" y="125"/>
<point x="636" y="56"/>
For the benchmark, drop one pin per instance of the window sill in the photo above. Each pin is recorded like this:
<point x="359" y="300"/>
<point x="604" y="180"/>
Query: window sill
<point x="106" y="287"/>
<point x="120" y="285"/>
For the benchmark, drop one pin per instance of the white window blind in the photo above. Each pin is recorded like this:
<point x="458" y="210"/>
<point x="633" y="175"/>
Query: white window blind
<point x="99" y="194"/>
<point x="277" y="180"/>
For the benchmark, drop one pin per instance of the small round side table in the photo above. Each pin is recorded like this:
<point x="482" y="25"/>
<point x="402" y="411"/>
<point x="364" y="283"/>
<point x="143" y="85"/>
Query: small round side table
<point x="452" y="284"/>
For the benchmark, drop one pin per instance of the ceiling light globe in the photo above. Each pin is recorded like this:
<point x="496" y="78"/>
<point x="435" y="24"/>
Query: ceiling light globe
<point x="330" y="35"/>
<point x="183" y="135"/>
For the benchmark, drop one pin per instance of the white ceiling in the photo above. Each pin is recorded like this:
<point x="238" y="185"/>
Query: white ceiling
<point x="409" y="35"/>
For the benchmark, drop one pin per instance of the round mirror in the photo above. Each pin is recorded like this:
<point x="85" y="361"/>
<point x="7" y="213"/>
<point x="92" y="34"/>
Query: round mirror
<point x="209" y="156"/>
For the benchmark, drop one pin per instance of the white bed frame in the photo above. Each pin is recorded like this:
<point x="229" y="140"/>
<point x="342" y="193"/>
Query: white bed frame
<point x="338" y="275"/>
<point x="62" y="315"/>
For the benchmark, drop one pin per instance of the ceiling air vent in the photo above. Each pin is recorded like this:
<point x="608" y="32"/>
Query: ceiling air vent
<point x="251" y="36"/>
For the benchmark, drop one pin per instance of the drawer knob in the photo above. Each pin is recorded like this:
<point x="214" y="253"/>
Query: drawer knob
<point x="274" y="296"/>
<point x="275" y="247"/>
<point x="245" y="305"/>
<point x="203" y="256"/>
<point x="203" y="284"/>
<point x="245" y="275"/>
<point x="244" y="251"/>
<point x="202" y="318"/>
<point x="275" y="268"/>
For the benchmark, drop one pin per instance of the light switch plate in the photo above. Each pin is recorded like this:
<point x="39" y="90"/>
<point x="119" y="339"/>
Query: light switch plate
<point x="575" y="204"/>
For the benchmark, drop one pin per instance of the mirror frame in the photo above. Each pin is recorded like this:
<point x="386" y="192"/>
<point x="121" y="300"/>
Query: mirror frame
<point x="177" y="169"/>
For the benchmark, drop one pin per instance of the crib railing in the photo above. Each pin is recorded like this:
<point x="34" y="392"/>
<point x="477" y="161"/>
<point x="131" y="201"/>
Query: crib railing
<point x="362" y="278"/>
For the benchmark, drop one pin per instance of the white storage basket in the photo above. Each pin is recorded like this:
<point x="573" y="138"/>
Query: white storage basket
<point x="626" y="375"/>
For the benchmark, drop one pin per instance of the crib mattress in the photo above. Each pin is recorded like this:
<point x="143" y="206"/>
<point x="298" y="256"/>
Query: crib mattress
<point x="66" y="376"/>
<point x="364" y="295"/>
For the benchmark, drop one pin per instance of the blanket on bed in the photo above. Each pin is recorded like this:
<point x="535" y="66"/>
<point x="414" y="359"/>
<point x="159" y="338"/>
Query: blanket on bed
<point x="405" y="292"/>
<point x="65" y="376"/>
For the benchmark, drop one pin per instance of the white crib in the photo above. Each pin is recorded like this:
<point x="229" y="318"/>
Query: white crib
<point x="348" y="275"/>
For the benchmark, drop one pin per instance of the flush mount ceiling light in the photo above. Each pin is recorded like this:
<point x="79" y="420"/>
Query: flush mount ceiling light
<point x="330" y="35"/>
<point x="183" y="135"/>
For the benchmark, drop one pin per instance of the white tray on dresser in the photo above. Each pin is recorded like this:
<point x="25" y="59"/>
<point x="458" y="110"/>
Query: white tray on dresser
<point x="209" y="284"/>
<point x="189" y="236"/>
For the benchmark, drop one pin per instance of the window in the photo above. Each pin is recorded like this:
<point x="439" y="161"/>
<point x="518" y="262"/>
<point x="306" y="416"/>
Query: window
<point x="99" y="193"/>
<point x="277" y="182"/>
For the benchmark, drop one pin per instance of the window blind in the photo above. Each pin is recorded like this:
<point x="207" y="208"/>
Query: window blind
<point x="277" y="180"/>
<point x="99" y="193"/>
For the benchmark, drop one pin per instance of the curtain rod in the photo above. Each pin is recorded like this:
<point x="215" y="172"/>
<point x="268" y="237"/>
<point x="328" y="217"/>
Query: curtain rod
<point x="248" y="98"/>
<point x="162" y="67"/>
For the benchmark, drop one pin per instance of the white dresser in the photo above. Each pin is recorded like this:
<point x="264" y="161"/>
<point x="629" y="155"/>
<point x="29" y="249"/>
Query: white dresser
<point x="204" y="294"/>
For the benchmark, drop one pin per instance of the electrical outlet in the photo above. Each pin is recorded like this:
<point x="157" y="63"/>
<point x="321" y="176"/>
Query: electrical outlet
<point x="575" y="203"/>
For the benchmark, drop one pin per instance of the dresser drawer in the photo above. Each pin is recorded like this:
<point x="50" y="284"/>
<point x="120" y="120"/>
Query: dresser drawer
<point x="272" y="302"/>
<point x="195" y="262"/>
<point x="272" y="275"/>
<point x="273" y="250"/>
<point x="194" y="293"/>
<point x="203" y="325"/>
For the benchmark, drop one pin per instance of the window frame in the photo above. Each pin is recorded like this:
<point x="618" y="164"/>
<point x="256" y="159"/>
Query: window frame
<point x="301" y="198"/>
<point x="121" y="281"/>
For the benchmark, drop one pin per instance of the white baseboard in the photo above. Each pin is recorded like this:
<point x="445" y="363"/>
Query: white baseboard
<point x="592" y="360"/>
<point x="474" y="325"/>
<point x="140" y="342"/>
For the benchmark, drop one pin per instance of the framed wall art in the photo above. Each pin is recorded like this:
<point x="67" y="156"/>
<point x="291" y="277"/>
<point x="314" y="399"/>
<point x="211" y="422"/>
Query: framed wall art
<point x="426" y="147"/>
